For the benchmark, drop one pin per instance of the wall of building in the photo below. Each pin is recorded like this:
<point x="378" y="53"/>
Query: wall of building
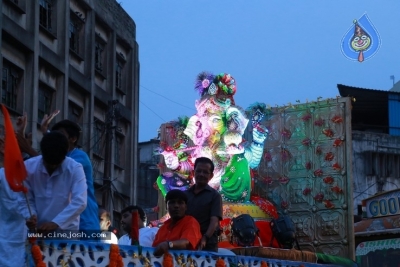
<point x="375" y="165"/>
<point x="77" y="56"/>
<point x="147" y="194"/>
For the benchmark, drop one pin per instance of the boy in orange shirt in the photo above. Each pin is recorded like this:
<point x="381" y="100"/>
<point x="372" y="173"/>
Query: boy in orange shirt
<point x="180" y="231"/>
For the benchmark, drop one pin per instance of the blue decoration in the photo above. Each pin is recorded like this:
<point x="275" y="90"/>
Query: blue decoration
<point x="361" y="41"/>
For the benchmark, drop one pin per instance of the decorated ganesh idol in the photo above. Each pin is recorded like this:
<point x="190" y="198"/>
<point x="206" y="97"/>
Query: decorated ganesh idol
<point x="215" y="131"/>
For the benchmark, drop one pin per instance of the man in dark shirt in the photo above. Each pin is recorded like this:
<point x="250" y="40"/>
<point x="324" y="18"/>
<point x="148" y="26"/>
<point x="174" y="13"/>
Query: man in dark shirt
<point x="205" y="204"/>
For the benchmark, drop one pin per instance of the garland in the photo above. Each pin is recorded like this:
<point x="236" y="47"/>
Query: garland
<point x="220" y="263"/>
<point x="115" y="257"/>
<point x="135" y="228"/>
<point x="37" y="256"/>
<point x="36" y="253"/>
<point x="168" y="260"/>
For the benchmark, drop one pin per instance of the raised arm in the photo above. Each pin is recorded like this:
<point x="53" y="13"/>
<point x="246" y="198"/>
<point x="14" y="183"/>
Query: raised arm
<point x="253" y="153"/>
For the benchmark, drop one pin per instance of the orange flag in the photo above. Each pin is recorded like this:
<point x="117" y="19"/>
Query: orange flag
<point x="14" y="166"/>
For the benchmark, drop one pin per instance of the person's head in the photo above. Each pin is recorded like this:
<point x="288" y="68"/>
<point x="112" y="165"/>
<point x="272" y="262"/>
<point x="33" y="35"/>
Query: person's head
<point x="71" y="129"/>
<point x="105" y="219"/>
<point x="176" y="201"/>
<point x="203" y="171"/>
<point x="126" y="218"/>
<point x="54" y="148"/>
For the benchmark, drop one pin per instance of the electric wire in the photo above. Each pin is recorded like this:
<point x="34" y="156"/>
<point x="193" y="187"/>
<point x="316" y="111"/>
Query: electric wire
<point x="152" y="111"/>
<point x="173" y="101"/>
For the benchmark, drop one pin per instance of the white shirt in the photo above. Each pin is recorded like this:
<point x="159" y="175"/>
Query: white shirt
<point x="59" y="197"/>
<point x="146" y="237"/>
<point x="13" y="231"/>
<point x="112" y="240"/>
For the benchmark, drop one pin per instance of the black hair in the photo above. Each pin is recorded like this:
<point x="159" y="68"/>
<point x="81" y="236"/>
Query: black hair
<point x="176" y="194"/>
<point x="141" y="212"/>
<point x="72" y="128"/>
<point x="204" y="160"/>
<point x="54" y="147"/>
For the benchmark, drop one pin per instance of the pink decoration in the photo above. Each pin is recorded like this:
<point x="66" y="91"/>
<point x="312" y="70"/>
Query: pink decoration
<point x="205" y="83"/>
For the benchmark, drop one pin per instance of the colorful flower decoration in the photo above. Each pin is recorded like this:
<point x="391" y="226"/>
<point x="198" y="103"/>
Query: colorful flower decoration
<point x="329" y="156"/>
<point x="328" y="132"/>
<point x="318" y="172"/>
<point x="285" y="154"/>
<point x="337" y="143"/>
<point x="337" y="190"/>
<point x="336" y="167"/>
<point x="337" y="119"/>
<point x="221" y="87"/>
<point x="306" y="191"/>
<point x="267" y="180"/>
<point x="268" y="156"/>
<point x="328" y="204"/>
<point x="308" y="165"/>
<point x="226" y="83"/>
<point x="286" y="133"/>
<point x="306" y="117"/>
<point x="319" y="197"/>
<point x="203" y="81"/>
<point x="283" y="180"/>
<point x="319" y="122"/>
<point x="306" y="142"/>
<point x="328" y="180"/>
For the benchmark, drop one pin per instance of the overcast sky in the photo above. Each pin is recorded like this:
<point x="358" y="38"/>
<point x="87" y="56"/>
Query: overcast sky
<point x="278" y="51"/>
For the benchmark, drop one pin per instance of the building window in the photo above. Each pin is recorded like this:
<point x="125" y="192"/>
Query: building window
<point x="74" y="112"/>
<point x="44" y="103"/>
<point x="75" y="29"/>
<point x="10" y="85"/>
<point x="118" y="75"/>
<point x="98" y="138"/>
<point x="382" y="164"/>
<point x="98" y="56"/>
<point x="45" y="10"/>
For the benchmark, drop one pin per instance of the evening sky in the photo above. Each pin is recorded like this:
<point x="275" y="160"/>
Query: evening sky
<point x="278" y="51"/>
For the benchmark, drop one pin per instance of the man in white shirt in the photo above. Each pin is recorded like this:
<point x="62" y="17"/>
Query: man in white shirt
<point x="56" y="187"/>
<point x="105" y="222"/>
<point x="12" y="225"/>
<point x="146" y="235"/>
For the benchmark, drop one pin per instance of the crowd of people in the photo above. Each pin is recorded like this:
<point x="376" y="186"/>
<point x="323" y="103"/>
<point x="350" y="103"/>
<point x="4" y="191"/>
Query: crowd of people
<point x="60" y="199"/>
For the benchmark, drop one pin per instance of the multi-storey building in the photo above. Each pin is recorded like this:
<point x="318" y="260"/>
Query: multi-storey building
<point x="375" y="141"/>
<point x="80" y="57"/>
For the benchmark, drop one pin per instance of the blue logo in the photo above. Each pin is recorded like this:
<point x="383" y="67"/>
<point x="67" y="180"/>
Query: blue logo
<point x="361" y="41"/>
